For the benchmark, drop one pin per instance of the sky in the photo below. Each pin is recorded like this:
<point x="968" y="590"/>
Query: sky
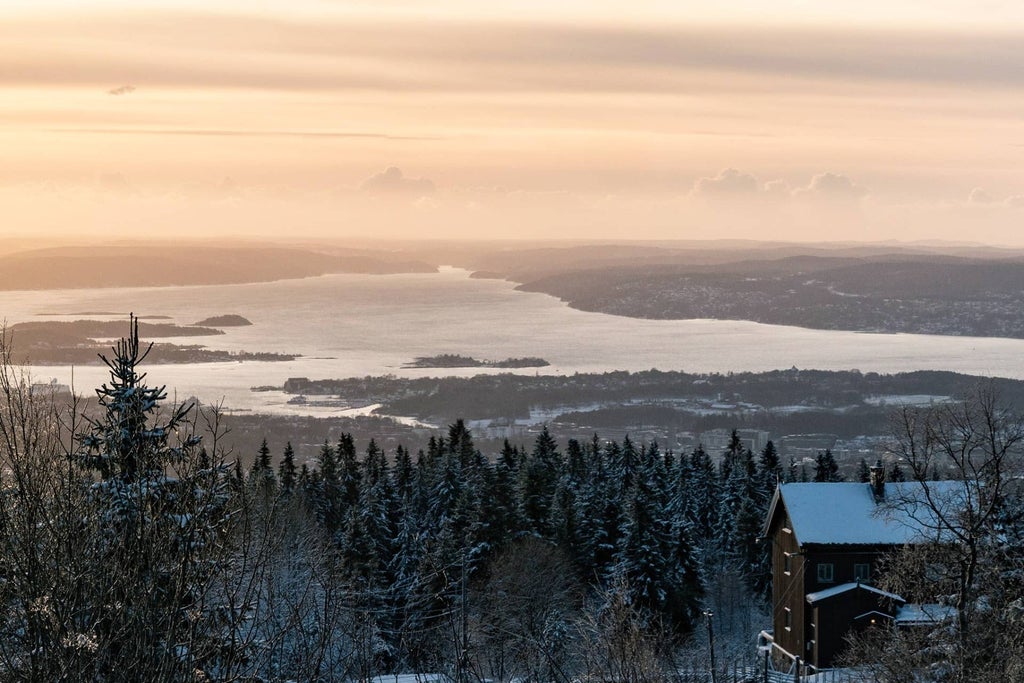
<point x="852" y="120"/>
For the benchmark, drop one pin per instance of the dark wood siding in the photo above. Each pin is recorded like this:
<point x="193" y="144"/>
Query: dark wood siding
<point x="843" y="560"/>
<point x="835" y="617"/>
<point x="816" y="635"/>
<point x="787" y="589"/>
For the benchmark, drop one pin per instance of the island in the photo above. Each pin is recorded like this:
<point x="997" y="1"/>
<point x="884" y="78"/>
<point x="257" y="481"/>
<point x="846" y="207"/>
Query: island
<point x="81" y="342"/>
<point x="230" y="320"/>
<point x="452" y="360"/>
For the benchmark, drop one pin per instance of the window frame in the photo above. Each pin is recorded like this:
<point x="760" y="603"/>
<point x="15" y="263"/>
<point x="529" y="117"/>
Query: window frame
<point x="826" y="572"/>
<point x="862" y="572"/>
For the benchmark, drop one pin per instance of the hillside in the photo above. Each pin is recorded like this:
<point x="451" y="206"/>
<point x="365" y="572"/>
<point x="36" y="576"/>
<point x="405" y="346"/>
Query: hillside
<point x="891" y="292"/>
<point x="165" y="265"/>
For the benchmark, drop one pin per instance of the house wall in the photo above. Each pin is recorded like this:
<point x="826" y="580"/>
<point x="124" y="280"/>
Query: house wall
<point x="835" y="617"/>
<point x="826" y="625"/>
<point x="814" y="642"/>
<point x="787" y="590"/>
<point x="842" y="559"/>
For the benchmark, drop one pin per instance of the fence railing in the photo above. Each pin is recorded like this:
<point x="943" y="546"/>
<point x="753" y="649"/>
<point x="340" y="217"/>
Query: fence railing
<point x="762" y="667"/>
<point x="746" y="673"/>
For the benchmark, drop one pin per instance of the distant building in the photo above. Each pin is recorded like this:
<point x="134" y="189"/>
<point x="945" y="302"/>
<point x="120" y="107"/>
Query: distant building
<point x="800" y="446"/>
<point x="826" y="542"/>
<point x="50" y="389"/>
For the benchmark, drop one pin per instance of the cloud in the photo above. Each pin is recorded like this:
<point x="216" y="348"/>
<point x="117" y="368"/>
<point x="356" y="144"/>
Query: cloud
<point x="425" y="203"/>
<point x="392" y="181"/>
<point x="778" y="189"/>
<point x="240" y="133"/>
<point x="822" y="187"/>
<point x="195" y="49"/>
<point x="729" y="181"/>
<point x="979" y="196"/>
<point x="831" y="187"/>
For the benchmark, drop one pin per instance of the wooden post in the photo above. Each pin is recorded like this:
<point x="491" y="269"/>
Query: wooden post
<point x="711" y="645"/>
<point x="767" y="656"/>
<point x="796" y="670"/>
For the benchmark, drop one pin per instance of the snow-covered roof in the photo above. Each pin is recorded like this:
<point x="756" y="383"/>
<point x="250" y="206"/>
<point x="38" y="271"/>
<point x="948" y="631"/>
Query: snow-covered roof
<point x="924" y="614"/>
<point x="846" y="587"/>
<point x="847" y="514"/>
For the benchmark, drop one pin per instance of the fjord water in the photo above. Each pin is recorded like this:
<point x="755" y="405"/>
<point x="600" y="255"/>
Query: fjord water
<point x="358" y="325"/>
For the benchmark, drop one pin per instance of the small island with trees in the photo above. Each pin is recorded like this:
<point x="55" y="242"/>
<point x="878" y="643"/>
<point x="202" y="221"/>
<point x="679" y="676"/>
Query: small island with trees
<point x="454" y="360"/>
<point x="229" y="320"/>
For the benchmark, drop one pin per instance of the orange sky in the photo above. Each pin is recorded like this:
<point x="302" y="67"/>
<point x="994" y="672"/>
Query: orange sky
<point x="782" y="120"/>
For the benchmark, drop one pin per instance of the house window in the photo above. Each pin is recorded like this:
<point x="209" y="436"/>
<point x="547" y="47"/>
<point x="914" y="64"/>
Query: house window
<point x="787" y="618"/>
<point x="787" y="563"/>
<point x="862" y="573"/>
<point x="826" y="572"/>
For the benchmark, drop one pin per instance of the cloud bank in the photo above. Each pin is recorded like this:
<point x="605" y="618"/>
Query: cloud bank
<point x="392" y="181"/>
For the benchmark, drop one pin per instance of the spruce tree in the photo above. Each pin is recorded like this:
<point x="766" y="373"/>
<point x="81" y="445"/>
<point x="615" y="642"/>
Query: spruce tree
<point x="542" y="472"/>
<point x="826" y="468"/>
<point x="863" y="471"/>
<point x="157" y="513"/>
<point x="327" y="498"/>
<point x="501" y="514"/>
<point x="703" y="503"/>
<point x="261" y="476"/>
<point x="792" y="471"/>
<point x="769" y="471"/>
<point x="403" y="474"/>
<point x="896" y="473"/>
<point x="349" y="472"/>
<point x="649" y="558"/>
<point x="286" y="472"/>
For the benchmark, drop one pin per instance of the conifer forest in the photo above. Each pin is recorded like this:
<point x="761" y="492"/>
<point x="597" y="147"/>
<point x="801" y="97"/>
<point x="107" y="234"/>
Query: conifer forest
<point x="137" y="550"/>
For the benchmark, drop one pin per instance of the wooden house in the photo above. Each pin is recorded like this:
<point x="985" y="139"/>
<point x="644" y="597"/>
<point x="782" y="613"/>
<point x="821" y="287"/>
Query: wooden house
<point x="826" y="541"/>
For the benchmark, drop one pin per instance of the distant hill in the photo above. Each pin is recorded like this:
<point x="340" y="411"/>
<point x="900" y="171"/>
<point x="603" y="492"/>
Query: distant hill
<point x="923" y="294"/>
<point x="162" y="265"/>
<point x="530" y="263"/>
<point x="917" y="288"/>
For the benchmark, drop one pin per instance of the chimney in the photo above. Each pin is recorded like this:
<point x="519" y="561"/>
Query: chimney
<point x="877" y="481"/>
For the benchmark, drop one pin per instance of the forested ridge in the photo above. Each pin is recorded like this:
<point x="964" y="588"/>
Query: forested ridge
<point x="514" y="396"/>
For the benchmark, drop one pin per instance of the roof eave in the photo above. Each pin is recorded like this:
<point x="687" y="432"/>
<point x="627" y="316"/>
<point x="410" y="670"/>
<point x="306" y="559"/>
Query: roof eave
<point x="772" y="507"/>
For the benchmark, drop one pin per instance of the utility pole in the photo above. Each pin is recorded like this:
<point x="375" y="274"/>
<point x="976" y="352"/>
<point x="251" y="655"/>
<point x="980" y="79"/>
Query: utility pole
<point x="464" y="654"/>
<point x="709" y="615"/>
